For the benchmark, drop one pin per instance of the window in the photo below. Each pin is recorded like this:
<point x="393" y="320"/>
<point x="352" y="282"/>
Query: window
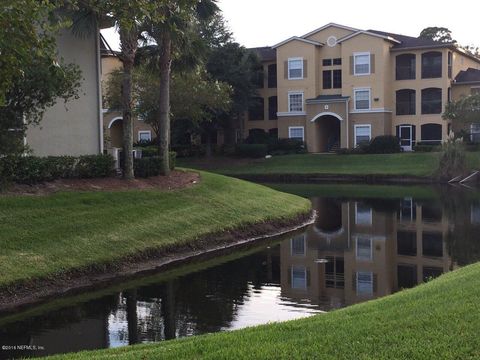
<point x="299" y="277"/>
<point x="259" y="77"/>
<point x="327" y="79"/>
<point x="362" y="99"/>
<point x="405" y="67"/>
<point x="431" y="213"/>
<point x="337" y="79"/>
<point x="475" y="133"/>
<point x="431" y="133"/>
<point x="431" y="65"/>
<point x="335" y="272"/>
<point x="475" y="91"/>
<point x="363" y="214"/>
<point x="272" y="76"/>
<point x="295" y="102"/>
<point x="364" y="283"/>
<point x="327" y="62"/>
<point x="430" y="273"/>
<point x="432" y="244"/>
<point x="475" y="214"/>
<point x="432" y="101"/>
<point x="145" y="135"/>
<point x="408" y="210"/>
<point x="361" y="64"/>
<point x="337" y="61"/>
<point x="363" y="134"/>
<point x="406" y="276"/>
<point x="364" y="248"/>
<point x="406" y="102"/>
<point x="296" y="132"/>
<point x="255" y="112"/>
<point x="272" y="107"/>
<point x="295" y="69"/>
<point x="450" y="61"/>
<point x="297" y="245"/>
<point x="407" y="243"/>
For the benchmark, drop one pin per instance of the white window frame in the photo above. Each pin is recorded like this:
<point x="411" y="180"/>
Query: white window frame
<point x="369" y="98"/>
<point x="370" y="275"/>
<point x="370" y="257"/>
<point x="144" y="132"/>
<point x="288" y="68"/>
<point x="472" y="132"/>
<point x="355" y="55"/>
<point x="299" y="268"/>
<point x="290" y="128"/>
<point x="303" y="102"/>
<point x="358" y="220"/>
<point x="355" y="132"/>
<point x="303" y="238"/>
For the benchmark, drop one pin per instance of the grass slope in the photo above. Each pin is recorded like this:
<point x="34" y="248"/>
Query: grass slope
<point x="437" y="320"/>
<point x="42" y="236"/>
<point x="412" y="164"/>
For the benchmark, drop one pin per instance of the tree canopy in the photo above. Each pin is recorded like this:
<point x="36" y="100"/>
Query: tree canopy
<point x="436" y="33"/>
<point x="465" y="110"/>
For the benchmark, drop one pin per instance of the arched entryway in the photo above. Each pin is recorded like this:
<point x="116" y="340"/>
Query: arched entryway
<point x="115" y="128"/>
<point x="328" y="131"/>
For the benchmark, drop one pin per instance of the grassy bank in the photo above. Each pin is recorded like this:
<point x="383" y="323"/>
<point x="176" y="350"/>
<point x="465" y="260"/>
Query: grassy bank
<point x="44" y="236"/>
<point x="437" y="320"/>
<point x="408" y="164"/>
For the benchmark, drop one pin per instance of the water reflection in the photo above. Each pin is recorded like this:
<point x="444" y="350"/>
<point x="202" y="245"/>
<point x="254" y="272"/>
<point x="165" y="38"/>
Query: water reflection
<point x="357" y="249"/>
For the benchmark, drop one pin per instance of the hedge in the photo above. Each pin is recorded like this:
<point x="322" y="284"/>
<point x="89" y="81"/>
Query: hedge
<point x="251" y="150"/>
<point x="32" y="170"/>
<point x="150" y="166"/>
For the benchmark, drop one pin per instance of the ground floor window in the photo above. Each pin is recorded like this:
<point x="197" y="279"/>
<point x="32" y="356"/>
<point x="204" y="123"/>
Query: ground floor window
<point x="364" y="283"/>
<point x="296" y="132"/>
<point x="363" y="134"/>
<point x="475" y="133"/>
<point x="299" y="277"/>
<point x="145" y="135"/>
<point x="431" y="133"/>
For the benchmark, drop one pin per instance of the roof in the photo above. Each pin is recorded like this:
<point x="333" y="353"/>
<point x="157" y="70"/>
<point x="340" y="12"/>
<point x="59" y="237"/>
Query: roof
<point x="265" y="53"/>
<point x="330" y="25"/>
<point x="385" y="37"/>
<point x="105" y="49"/>
<point x="405" y="41"/>
<point x="296" y="38"/>
<point x="468" y="76"/>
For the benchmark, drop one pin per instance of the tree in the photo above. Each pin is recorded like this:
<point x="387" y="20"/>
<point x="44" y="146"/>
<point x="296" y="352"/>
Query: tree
<point x="32" y="78"/>
<point x="435" y="33"/>
<point x="465" y="110"/>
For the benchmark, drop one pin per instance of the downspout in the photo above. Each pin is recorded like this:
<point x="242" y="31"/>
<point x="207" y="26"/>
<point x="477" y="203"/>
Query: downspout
<point x="99" y="90"/>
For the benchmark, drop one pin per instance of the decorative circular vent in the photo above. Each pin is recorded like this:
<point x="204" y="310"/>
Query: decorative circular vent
<point x="332" y="41"/>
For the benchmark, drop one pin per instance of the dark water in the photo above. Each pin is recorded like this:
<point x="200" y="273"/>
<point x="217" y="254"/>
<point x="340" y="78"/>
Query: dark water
<point x="367" y="242"/>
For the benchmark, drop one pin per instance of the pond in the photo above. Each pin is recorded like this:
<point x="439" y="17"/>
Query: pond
<point x="367" y="242"/>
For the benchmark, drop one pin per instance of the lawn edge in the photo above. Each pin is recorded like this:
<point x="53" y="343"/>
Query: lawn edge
<point x="36" y="291"/>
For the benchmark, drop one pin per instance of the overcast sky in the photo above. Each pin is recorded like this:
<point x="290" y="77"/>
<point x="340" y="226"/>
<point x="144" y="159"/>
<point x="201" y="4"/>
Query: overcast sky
<point x="267" y="22"/>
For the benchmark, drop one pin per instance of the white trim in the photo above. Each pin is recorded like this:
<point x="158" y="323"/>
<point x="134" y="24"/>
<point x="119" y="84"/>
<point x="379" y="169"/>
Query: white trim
<point x="380" y="110"/>
<point x="292" y="113"/>
<point x="303" y="101"/>
<point x="365" y="53"/>
<point x="149" y="132"/>
<point x="113" y="120"/>
<point x="360" y="32"/>
<point x="369" y="99"/>
<point x="406" y="147"/>
<point x="288" y="68"/>
<point x="355" y="132"/>
<point x="293" y="38"/>
<point x="326" y="114"/>
<point x="290" y="128"/>
<point x="330" y="25"/>
<point x="472" y="134"/>
<point x="370" y="289"/>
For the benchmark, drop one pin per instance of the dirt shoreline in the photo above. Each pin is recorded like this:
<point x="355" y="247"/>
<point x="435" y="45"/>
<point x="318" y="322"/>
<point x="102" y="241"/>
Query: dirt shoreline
<point x="35" y="292"/>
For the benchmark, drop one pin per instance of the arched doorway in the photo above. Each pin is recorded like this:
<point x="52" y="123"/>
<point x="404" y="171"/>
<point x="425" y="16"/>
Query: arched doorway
<point x="115" y="128"/>
<point x="328" y="132"/>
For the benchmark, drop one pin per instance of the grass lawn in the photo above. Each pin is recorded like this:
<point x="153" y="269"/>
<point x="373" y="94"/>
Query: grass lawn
<point x="44" y="236"/>
<point x="413" y="164"/>
<point x="437" y="320"/>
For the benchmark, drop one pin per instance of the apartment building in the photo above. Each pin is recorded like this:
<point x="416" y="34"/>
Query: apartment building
<point x="338" y="87"/>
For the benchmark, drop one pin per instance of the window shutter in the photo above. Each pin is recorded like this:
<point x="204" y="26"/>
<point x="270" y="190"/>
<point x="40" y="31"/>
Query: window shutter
<point x="352" y="64"/>
<point x="398" y="131"/>
<point x="289" y="276"/>
<point x="305" y="69"/>
<point x="372" y="63"/>
<point x="375" y="281"/>
<point x="354" y="281"/>
<point x="308" y="278"/>
<point x="285" y="66"/>
<point x="414" y="133"/>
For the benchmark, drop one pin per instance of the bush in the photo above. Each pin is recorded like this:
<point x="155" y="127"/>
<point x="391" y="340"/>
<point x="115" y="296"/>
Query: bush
<point x="149" y="151"/>
<point x="426" y="148"/>
<point x="385" y="144"/>
<point x="453" y="160"/>
<point x="251" y="150"/>
<point x="287" y="146"/>
<point x="61" y="167"/>
<point x="95" y="166"/>
<point x="150" y="166"/>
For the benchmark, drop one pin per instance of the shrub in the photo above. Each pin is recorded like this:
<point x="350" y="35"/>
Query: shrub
<point x="61" y="167"/>
<point x="257" y="136"/>
<point x="385" y="144"/>
<point x="287" y="146"/>
<point x="150" y="166"/>
<point x="149" y="151"/>
<point x="453" y="160"/>
<point x="426" y="148"/>
<point x="94" y="166"/>
<point x="252" y="150"/>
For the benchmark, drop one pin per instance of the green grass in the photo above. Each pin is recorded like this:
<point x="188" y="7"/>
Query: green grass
<point x="44" y="236"/>
<point x="411" y="164"/>
<point x="437" y="320"/>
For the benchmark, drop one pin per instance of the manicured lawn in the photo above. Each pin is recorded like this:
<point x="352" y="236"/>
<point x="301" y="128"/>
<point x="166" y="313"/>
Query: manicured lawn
<point x="44" y="236"/>
<point x="413" y="164"/>
<point x="438" y="320"/>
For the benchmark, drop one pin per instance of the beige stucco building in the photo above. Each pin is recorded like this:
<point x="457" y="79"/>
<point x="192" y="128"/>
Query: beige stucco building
<point x="337" y="86"/>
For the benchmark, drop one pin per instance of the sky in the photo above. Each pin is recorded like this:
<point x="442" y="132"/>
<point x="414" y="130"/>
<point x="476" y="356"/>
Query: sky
<point x="267" y="22"/>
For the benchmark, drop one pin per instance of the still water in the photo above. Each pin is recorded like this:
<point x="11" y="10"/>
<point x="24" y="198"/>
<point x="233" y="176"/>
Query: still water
<point x="366" y="242"/>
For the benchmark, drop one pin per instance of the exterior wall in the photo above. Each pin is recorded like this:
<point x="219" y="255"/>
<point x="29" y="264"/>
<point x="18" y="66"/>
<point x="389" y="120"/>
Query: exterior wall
<point x="315" y="142"/>
<point x="381" y="124"/>
<point x="73" y="128"/>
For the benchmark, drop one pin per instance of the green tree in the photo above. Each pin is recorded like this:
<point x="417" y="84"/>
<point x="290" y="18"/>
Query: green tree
<point x="436" y="33"/>
<point x="466" y="110"/>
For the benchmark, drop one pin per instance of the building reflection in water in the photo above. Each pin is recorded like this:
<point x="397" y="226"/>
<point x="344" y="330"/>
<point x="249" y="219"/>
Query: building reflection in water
<point x="360" y="250"/>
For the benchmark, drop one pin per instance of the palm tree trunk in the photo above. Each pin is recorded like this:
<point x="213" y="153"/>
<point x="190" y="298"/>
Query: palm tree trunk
<point x="129" y="44"/>
<point x="164" y="102"/>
